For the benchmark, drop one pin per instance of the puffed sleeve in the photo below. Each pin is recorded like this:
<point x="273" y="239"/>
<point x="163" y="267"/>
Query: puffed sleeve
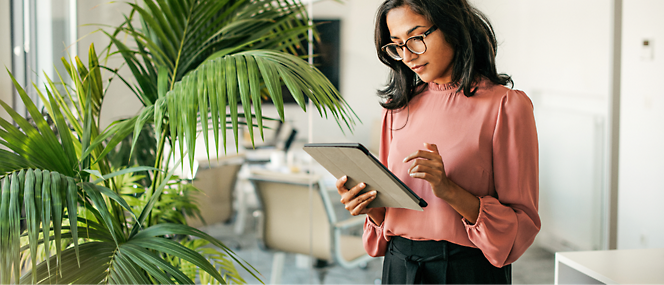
<point x="507" y="224"/>
<point x="375" y="242"/>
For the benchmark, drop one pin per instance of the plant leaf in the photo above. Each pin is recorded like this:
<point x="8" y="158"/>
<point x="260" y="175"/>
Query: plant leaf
<point x="56" y="211"/>
<point x="111" y="194"/>
<point x="169" y="229"/>
<point x="175" y="249"/>
<point x="72" y="212"/>
<point x="100" y="205"/>
<point x="31" y="217"/>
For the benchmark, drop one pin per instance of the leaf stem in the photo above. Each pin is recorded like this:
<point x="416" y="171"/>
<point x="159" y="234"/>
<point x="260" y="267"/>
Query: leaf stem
<point x="157" y="163"/>
<point x="177" y="60"/>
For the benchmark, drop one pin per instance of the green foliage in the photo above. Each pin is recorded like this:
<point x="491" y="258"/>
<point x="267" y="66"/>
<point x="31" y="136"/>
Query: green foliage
<point x="87" y="218"/>
<point x="177" y="201"/>
<point x="219" y="258"/>
<point x="78" y="230"/>
<point x="194" y="58"/>
<point x="144" y="154"/>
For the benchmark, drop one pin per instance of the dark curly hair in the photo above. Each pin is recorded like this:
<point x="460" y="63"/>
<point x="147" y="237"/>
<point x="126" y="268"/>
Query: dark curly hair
<point x="466" y="29"/>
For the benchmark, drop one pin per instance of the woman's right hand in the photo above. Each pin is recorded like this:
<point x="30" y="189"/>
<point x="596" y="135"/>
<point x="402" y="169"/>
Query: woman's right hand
<point x="357" y="204"/>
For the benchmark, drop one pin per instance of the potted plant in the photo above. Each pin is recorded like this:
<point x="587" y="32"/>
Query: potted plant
<point x="64" y="216"/>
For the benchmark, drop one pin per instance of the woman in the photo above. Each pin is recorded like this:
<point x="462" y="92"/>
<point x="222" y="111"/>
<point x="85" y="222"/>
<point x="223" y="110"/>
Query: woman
<point x="457" y="137"/>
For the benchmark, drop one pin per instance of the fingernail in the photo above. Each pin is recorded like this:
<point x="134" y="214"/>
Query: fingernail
<point x="412" y="174"/>
<point x="344" y="177"/>
<point x="362" y="184"/>
<point x="373" y="193"/>
<point x="405" y="159"/>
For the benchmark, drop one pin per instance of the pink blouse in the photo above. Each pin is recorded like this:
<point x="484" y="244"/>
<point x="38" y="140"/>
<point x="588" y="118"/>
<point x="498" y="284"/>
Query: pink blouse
<point x="488" y="143"/>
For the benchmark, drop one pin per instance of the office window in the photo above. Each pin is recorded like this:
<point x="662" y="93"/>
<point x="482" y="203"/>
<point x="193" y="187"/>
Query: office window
<point x="42" y="32"/>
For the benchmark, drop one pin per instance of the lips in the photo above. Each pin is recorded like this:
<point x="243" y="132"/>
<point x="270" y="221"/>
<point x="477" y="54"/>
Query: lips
<point x="417" y="68"/>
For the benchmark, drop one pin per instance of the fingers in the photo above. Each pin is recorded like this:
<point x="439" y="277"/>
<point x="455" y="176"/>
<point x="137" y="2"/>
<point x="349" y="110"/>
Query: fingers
<point x="431" y="174"/>
<point x="354" y="203"/>
<point x="350" y="194"/>
<point x="423" y="154"/>
<point x="340" y="185"/>
<point x="358" y="205"/>
<point x="432" y="147"/>
<point x="427" y="164"/>
<point x="420" y="165"/>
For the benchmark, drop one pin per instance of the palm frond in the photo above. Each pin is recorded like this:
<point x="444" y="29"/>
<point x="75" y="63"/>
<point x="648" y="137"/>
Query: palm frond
<point x="188" y="254"/>
<point x="95" y="259"/>
<point x="38" y="147"/>
<point x="27" y="191"/>
<point x="244" y="73"/>
<point x="215" y="256"/>
<point x="182" y="39"/>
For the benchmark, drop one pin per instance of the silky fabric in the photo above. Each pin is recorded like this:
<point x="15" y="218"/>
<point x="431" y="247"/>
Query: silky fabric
<point x="488" y="144"/>
<point x="439" y="262"/>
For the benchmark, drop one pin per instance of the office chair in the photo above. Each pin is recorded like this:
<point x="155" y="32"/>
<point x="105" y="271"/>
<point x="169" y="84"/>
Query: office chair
<point x="217" y="182"/>
<point x="286" y="224"/>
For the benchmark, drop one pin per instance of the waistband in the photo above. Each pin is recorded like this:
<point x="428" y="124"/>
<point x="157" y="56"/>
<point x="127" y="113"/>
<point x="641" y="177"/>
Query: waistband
<point x="415" y="253"/>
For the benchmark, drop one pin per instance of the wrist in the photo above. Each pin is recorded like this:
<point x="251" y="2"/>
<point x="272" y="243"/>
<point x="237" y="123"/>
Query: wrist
<point x="462" y="201"/>
<point x="447" y="191"/>
<point x="376" y="215"/>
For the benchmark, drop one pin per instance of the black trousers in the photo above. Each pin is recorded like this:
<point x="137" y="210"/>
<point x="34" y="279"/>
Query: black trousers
<point x="439" y="262"/>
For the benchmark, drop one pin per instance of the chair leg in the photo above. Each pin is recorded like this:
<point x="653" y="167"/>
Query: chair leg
<point x="322" y="272"/>
<point x="277" y="267"/>
<point x="321" y="266"/>
<point x="241" y="211"/>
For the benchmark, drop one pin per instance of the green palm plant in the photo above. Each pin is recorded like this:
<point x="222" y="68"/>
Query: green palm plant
<point x="75" y="207"/>
<point x="194" y="62"/>
<point x="197" y="61"/>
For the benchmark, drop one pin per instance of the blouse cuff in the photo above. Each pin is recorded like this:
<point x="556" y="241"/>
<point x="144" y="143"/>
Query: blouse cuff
<point x="371" y="223"/>
<point x="480" y="217"/>
<point x="374" y="240"/>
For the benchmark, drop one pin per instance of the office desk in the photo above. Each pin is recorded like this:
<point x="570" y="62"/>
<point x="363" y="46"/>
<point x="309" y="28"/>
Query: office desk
<point x="635" y="266"/>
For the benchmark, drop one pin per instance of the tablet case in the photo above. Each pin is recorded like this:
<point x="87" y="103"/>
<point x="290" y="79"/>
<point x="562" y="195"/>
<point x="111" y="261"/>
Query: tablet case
<point x="354" y="160"/>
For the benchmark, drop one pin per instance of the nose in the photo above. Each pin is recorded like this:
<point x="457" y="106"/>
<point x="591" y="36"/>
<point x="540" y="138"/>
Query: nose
<point x="407" y="55"/>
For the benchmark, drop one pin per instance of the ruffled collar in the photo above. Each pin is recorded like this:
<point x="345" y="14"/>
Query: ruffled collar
<point x="442" y="87"/>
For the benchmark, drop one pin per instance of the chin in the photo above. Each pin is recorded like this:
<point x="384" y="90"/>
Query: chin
<point x="425" y="78"/>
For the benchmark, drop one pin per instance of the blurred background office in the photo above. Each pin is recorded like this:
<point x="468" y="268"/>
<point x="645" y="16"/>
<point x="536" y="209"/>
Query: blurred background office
<point x="590" y="67"/>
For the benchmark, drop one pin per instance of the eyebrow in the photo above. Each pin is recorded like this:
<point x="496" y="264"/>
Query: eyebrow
<point x="409" y="31"/>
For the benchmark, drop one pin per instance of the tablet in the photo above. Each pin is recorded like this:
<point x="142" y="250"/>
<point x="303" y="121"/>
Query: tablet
<point x="355" y="161"/>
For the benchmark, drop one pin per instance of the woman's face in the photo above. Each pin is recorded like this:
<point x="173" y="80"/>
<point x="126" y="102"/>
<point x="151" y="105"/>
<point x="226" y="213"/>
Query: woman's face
<point x="435" y="65"/>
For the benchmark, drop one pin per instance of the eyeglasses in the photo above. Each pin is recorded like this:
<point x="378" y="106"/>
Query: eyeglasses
<point x="414" y="44"/>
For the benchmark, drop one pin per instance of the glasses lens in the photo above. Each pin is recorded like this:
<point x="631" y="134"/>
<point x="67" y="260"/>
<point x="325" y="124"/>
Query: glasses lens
<point x="393" y="51"/>
<point x="416" y="45"/>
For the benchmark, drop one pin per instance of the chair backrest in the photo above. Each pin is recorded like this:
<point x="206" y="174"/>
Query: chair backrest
<point x="217" y="182"/>
<point x="287" y="224"/>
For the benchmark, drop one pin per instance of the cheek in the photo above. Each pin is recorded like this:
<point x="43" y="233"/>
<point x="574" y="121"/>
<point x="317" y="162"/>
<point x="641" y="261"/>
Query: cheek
<point x="443" y="58"/>
<point x="445" y="54"/>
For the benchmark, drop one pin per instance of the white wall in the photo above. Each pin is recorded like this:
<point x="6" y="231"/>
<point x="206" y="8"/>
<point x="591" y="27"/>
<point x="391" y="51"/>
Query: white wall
<point x="120" y="102"/>
<point x="641" y="127"/>
<point x="6" y="91"/>
<point x="547" y="46"/>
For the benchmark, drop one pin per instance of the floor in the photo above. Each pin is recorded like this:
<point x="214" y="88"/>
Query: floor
<point x="536" y="266"/>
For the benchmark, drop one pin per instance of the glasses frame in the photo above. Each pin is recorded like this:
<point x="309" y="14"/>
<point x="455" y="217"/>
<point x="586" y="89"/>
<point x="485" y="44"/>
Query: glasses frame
<point x="405" y="44"/>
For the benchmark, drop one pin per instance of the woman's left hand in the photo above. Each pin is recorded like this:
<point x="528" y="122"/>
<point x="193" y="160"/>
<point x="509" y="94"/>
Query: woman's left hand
<point x="428" y="165"/>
